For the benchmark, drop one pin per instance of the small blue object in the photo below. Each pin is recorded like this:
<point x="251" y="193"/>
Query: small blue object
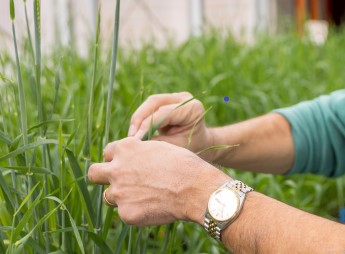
<point x="226" y="98"/>
<point x="342" y="215"/>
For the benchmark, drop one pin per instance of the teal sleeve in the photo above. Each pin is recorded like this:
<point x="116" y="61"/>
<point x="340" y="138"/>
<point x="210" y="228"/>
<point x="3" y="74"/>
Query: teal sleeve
<point x="318" y="130"/>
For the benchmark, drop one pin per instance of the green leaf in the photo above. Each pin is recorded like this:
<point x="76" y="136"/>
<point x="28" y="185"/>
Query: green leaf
<point x="121" y="238"/>
<point x="12" y="10"/>
<point x="73" y="224"/>
<point x="82" y="187"/>
<point x="217" y="147"/>
<point x="4" y="138"/>
<point x="29" y="147"/>
<point x="24" y="239"/>
<point x="100" y="243"/>
<point x="27" y="215"/>
<point x="26" y="199"/>
<point x="7" y="195"/>
<point x="49" y="122"/>
<point x="107" y="221"/>
<point x="35" y="246"/>
<point x="25" y="170"/>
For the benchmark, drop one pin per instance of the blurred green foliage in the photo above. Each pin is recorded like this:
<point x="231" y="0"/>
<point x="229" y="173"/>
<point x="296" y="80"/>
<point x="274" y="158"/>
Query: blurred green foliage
<point x="274" y="72"/>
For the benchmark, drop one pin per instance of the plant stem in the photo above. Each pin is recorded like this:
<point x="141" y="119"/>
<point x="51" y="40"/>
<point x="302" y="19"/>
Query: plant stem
<point x="109" y="100"/>
<point x="28" y="30"/>
<point x="22" y="104"/>
<point x="91" y="106"/>
<point x="37" y="25"/>
<point x="112" y="72"/>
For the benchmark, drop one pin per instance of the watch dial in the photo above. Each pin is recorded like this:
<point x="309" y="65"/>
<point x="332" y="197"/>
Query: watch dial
<point x="223" y="204"/>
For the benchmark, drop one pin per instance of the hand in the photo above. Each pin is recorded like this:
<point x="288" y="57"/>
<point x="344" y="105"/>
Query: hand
<point x="179" y="123"/>
<point x="155" y="182"/>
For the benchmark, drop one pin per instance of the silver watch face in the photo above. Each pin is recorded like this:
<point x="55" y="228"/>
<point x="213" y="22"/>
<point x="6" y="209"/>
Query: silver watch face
<point x="223" y="204"/>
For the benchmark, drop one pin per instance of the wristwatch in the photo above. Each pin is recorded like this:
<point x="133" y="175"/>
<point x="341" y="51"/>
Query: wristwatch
<point x="224" y="206"/>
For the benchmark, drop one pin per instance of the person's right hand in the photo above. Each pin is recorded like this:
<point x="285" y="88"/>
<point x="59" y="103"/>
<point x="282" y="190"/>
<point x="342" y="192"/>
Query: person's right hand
<point x="178" y="125"/>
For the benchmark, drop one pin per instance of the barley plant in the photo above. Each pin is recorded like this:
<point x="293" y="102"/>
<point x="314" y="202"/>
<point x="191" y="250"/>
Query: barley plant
<point x="58" y="111"/>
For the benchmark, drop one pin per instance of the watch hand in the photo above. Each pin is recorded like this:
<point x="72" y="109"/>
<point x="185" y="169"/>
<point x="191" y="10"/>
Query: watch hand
<point x="220" y="202"/>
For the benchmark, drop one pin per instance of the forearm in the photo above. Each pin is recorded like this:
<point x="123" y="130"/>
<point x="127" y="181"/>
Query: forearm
<point x="269" y="226"/>
<point x="265" y="145"/>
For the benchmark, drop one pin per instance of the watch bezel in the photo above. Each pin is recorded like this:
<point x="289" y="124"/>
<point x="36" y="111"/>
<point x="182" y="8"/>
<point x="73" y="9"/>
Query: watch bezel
<point x="237" y="205"/>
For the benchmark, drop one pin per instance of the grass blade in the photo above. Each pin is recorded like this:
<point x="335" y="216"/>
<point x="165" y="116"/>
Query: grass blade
<point x="24" y="239"/>
<point x="5" y="139"/>
<point x="73" y="224"/>
<point x="217" y="147"/>
<point x="121" y="238"/>
<point x="7" y="194"/>
<point x="27" y="215"/>
<point x="22" y="103"/>
<point x="112" y="72"/>
<point x="82" y="187"/>
<point x="29" y="147"/>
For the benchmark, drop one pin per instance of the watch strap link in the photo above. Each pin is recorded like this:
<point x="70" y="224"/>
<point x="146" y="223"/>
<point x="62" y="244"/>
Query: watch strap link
<point x="212" y="228"/>
<point x="239" y="187"/>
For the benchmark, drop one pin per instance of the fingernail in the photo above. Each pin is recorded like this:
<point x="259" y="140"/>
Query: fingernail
<point x="139" y="134"/>
<point x="131" y="131"/>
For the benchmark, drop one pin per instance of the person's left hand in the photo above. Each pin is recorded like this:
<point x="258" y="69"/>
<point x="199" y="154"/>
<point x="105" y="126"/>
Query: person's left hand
<point x="153" y="182"/>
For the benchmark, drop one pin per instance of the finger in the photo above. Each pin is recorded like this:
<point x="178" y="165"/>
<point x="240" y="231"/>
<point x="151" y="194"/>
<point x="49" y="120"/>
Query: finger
<point x="151" y="105"/>
<point x="163" y="115"/>
<point x="108" y="199"/>
<point x="109" y="151"/>
<point x="172" y="116"/>
<point x="99" y="173"/>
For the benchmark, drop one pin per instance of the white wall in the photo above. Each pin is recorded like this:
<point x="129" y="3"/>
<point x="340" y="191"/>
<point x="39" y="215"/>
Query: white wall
<point x="141" y="20"/>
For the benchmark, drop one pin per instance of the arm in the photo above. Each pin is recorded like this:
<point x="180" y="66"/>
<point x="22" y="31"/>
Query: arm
<point x="266" y="145"/>
<point x="269" y="226"/>
<point x="156" y="183"/>
<point x="306" y="138"/>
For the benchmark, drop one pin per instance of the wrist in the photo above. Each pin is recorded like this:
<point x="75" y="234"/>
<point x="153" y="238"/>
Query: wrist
<point x="197" y="198"/>
<point x="213" y="140"/>
<point x="209" y="155"/>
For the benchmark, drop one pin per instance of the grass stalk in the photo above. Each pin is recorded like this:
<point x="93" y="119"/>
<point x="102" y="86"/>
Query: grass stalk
<point x="28" y="30"/>
<point x="109" y="100"/>
<point x="89" y="124"/>
<point x="10" y="160"/>
<point x="22" y="103"/>
<point x="37" y="28"/>
<point x="112" y="72"/>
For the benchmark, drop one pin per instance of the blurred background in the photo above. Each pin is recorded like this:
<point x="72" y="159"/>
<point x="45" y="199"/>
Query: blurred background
<point x="262" y="54"/>
<point x="157" y="21"/>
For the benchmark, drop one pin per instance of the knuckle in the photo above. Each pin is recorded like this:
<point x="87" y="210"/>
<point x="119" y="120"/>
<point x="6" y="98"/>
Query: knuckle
<point x="129" y="141"/>
<point x="115" y="172"/>
<point x="110" y="147"/>
<point x="112" y="193"/>
<point x="198" y="107"/>
<point x="107" y="147"/>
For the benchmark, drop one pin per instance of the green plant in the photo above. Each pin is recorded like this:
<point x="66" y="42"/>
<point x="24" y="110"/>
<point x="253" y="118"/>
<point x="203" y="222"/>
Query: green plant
<point x="46" y="203"/>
